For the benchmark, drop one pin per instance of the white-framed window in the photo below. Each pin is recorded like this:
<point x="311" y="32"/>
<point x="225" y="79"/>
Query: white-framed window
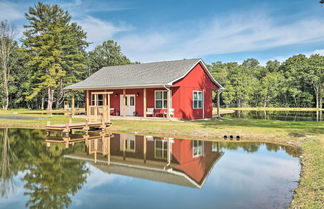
<point x="161" y="149"/>
<point x="197" y="148"/>
<point x="197" y="99"/>
<point x="97" y="100"/>
<point x="161" y="99"/>
<point x="127" y="143"/>
<point x="130" y="145"/>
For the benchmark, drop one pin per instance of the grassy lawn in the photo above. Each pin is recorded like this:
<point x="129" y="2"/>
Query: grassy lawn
<point x="307" y="135"/>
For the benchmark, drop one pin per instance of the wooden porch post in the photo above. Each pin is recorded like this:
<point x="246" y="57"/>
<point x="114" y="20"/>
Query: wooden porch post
<point x="72" y="104"/>
<point x="108" y="107"/>
<point x="168" y="102"/>
<point x="108" y="147"/>
<point x="96" y="109"/>
<point x="124" y="146"/>
<point x="87" y="103"/>
<point x="144" y="149"/>
<point x="218" y="103"/>
<point x="169" y="147"/>
<point x="124" y="103"/>
<point x="95" y="150"/>
<point x="105" y="117"/>
<point x="144" y="103"/>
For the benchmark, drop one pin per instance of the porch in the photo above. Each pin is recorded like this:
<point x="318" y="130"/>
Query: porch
<point x="114" y="117"/>
<point x="129" y="104"/>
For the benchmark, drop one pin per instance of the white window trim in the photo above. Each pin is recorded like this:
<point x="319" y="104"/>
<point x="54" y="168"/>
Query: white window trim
<point x="202" y="151"/>
<point x="162" y="150"/>
<point x="162" y="99"/>
<point x="202" y="100"/>
<point x="127" y="147"/>
<point x="95" y="100"/>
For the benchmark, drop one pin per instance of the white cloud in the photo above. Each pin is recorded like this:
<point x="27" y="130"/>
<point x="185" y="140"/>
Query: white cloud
<point x="10" y="11"/>
<point x="80" y="7"/>
<point x="98" y="30"/>
<point x="226" y="34"/>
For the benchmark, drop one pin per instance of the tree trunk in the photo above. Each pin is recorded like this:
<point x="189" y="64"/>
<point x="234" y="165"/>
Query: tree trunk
<point x="6" y="47"/>
<point x="317" y="90"/>
<point x="43" y="102"/>
<point x="317" y="100"/>
<point x="5" y="84"/>
<point x="50" y="95"/>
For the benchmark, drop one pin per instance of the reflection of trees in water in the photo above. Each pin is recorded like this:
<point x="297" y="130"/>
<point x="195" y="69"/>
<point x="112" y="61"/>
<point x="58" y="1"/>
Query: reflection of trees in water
<point x="50" y="179"/>
<point x="7" y="171"/>
<point x="254" y="147"/>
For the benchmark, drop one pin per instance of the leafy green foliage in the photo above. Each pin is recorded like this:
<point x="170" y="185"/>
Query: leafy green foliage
<point x="51" y="179"/>
<point x="106" y="54"/>
<point x="297" y="82"/>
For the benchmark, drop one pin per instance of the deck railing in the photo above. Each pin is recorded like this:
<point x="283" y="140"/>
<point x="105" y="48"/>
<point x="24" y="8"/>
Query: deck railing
<point x="97" y="113"/>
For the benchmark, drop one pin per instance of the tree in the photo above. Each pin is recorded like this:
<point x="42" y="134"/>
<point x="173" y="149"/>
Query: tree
<point x="7" y="45"/>
<point x="298" y="90"/>
<point x="251" y="62"/>
<point x="106" y="54"/>
<point x="315" y="76"/>
<point x="270" y="87"/>
<point x="55" y="47"/>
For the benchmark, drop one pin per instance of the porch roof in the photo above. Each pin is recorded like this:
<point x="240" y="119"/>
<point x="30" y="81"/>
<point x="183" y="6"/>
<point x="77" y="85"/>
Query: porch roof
<point x="140" y="75"/>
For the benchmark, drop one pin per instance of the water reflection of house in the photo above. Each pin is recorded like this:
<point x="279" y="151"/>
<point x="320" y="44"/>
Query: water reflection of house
<point x="175" y="161"/>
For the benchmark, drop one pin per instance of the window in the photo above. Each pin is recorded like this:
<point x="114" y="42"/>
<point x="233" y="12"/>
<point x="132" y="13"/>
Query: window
<point x="130" y="145"/>
<point x="127" y="143"/>
<point x="131" y="100"/>
<point x="197" y="100"/>
<point x="98" y="98"/>
<point x="197" y="148"/>
<point x="161" y="148"/>
<point x="161" y="99"/>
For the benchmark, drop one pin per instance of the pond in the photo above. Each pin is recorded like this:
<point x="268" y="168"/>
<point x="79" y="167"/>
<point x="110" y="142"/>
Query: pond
<point x="277" y="115"/>
<point x="128" y="171"/>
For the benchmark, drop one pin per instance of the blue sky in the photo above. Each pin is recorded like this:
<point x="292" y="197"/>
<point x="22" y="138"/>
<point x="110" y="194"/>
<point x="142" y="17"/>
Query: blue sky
<point x="215" y="30"/>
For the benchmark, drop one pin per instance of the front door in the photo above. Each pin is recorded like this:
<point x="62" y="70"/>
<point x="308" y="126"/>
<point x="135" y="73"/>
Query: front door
<point x="129" y="104"/>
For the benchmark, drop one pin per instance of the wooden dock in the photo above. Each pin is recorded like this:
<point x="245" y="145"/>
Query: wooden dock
<point x="67" y="128"/>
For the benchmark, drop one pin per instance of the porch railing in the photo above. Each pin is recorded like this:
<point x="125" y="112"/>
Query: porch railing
<point x="97" y="112"/>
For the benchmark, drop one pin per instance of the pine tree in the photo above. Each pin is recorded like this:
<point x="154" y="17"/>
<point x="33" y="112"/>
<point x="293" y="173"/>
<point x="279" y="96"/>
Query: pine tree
<point x="55" y="47"/>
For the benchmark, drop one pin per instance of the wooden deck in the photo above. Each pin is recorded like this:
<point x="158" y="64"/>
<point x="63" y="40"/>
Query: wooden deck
<point x="80" y="126"/>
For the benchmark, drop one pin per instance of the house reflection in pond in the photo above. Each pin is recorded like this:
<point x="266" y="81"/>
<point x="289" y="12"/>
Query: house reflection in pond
<point x="175" y="161"/>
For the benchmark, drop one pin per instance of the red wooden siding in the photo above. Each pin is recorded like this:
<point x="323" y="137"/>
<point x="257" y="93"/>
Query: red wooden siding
<point x="196" y="80"/>
<point x="182" y="155"/>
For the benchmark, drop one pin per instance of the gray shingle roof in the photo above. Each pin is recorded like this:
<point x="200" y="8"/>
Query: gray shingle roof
<point x="138" y="75"/>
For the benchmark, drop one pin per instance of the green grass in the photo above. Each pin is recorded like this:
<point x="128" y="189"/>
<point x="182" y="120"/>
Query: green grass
<point x="40" y="122"/>
<point x="308" y="135"/>
<point x="310" y="191"/>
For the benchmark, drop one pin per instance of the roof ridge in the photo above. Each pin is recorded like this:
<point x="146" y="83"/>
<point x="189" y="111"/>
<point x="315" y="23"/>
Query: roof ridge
<point x="166" y="61"/>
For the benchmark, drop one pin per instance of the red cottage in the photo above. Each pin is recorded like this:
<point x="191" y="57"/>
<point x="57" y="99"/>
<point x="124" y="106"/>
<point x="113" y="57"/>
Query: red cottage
<point x="179" y="89"/>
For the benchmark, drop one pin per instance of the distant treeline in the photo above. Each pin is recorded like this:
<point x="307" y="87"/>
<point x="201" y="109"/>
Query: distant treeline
<point x="52" y="54"/>
<point x="296" y="82"/>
